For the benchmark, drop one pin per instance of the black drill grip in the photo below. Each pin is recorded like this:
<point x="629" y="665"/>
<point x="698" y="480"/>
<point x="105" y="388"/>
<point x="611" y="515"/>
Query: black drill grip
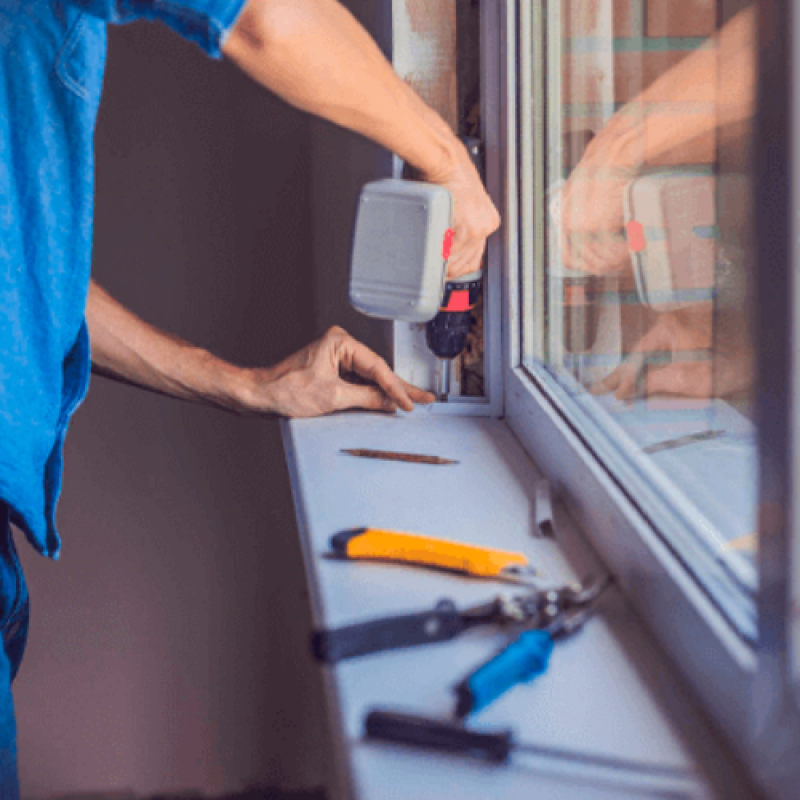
<point x="442" y="623"/>
<point x="434" y="734"/>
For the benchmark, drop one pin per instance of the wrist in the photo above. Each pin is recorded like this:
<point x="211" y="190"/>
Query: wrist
<point x="254" y="391"/>
<point x="221" y="384"/>
<point x="445" y="160"/>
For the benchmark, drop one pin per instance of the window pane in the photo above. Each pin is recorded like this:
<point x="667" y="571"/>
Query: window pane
<point x="634" y="135"/>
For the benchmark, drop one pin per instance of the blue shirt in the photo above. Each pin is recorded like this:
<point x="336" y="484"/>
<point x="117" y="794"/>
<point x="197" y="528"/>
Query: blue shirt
<point x="52" y="58"/>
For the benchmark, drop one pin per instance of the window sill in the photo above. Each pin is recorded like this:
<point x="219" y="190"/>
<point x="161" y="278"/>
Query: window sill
<point x="608" y="690"/>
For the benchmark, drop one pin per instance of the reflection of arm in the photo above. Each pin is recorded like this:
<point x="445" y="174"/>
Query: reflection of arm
<point x="673" y="121"/>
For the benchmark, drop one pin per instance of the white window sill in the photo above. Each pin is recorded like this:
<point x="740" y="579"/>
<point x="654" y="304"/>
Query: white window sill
<point x="607" y="692"/>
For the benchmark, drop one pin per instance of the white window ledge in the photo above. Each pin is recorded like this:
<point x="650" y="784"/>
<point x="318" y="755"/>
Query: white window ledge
<point x="608" y="690"/>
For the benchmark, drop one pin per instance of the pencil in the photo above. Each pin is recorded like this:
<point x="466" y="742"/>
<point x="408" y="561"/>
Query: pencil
<point x="387" y="455"/>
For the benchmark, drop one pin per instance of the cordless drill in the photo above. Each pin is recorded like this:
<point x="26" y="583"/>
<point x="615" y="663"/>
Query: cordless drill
<point x="398" y="269"/>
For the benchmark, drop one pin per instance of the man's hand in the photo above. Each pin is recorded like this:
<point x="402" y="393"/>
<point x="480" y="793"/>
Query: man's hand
<point x="316" y="56"/>
<point x="310" y="383"/>
<point x="306" y="384"/>
<point x="474" y="216"/>
<point x="589" y="211"/>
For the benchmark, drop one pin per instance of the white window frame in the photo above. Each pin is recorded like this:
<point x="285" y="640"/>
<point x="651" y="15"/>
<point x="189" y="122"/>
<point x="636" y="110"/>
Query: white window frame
<point x="743" y="688"/>
<point x="416" y="57"/>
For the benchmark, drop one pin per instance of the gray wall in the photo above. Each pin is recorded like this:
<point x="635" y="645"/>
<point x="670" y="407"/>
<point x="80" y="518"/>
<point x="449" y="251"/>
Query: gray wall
<point x="341" y="164"/>
<point x="168" y="644"/>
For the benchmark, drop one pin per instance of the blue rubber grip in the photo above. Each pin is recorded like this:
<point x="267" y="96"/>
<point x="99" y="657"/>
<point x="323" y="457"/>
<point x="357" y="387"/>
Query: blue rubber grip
<point x="522" y="660"/>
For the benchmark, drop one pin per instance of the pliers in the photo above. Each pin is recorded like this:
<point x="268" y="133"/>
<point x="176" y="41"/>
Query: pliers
<point x="558" y="609"/>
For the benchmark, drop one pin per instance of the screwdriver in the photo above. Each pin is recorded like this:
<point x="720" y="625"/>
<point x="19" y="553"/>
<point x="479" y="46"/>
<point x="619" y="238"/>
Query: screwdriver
<point x="496" y="747"/>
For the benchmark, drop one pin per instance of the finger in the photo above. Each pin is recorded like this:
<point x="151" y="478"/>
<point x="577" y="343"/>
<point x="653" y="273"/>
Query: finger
<point x="626" y="389"/>
<point x="367" y="397"/>
<point x="622" y="381"/>
<point x="467" y="260"/>
<point x="368" y="364"/>
<point x="597" y="257"/>
<point x="418" y="395"/>
<point x="608" y="384"/>
<point x="611" y="257"/>
<point x="687" y="380"/>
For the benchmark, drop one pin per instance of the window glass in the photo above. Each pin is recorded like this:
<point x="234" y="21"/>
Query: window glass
<point x="634" y="131"/>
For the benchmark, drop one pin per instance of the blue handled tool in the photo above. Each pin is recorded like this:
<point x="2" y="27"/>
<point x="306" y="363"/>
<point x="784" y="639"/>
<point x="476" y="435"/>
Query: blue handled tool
<point x="529" y="654"/>
<point x="520" y="661"/>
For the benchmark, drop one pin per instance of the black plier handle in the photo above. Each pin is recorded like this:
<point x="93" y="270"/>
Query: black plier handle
<point x="558" y="610"/>
<point x="440" y="624"/>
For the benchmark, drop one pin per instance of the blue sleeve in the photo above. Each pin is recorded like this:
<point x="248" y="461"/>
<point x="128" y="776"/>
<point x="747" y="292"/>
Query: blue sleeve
<point x="204" y="22"/>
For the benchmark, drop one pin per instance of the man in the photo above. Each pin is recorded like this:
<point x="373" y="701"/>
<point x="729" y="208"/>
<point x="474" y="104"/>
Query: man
<point x="310" y="52"/>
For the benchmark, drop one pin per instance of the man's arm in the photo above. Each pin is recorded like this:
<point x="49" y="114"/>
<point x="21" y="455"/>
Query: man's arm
<point x="316" y="56"/>
<point x="306" y="384"/>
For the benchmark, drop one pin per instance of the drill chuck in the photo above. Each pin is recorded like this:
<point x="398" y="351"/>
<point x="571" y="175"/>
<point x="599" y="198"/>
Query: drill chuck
<point x="446" y="333"/>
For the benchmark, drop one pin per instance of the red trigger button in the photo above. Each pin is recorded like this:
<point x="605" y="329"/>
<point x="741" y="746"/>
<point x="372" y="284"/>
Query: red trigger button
<point x="447" y="243"/>
<point x="636" y="238"/>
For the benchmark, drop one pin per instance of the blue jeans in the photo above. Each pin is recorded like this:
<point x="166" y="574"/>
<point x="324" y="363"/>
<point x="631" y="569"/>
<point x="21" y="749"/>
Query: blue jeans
<point x="14" y="611"/>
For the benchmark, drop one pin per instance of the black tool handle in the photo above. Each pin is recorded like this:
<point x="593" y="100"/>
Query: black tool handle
<point x="410" y="729"/>
<point x="442" y="623"/>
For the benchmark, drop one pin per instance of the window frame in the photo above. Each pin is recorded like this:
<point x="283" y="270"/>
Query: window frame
<point x="716" y="662"/>
<point x="426" y="60"/>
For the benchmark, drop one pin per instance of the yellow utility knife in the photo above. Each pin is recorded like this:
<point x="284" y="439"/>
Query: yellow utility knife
<point x="483" y="562"/>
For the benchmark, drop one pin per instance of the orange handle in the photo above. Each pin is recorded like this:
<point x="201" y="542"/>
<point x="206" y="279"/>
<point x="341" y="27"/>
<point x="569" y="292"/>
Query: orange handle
<point x="372" y="543"/>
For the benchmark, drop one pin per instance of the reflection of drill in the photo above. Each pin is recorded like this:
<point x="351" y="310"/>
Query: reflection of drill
<point x="446" y="333"/>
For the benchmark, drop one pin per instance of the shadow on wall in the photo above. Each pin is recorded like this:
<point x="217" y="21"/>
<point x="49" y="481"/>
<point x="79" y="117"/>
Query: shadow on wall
<point x="168" y="645"/>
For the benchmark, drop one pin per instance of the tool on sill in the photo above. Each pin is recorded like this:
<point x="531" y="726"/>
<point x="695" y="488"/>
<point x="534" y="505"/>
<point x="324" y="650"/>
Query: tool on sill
<point x="398" y="267"/>
<point x="440" y="624"/>
<point x="682" y="441"/>
<point x="496" y="747"/>
<point x="427" y="551"/>
<point x="388" y="455"/>
<point x="543" y="510"/>
<point x="559" y="613"/>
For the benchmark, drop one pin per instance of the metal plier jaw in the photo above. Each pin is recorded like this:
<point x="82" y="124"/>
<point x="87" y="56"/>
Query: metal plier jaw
<point x="560" y="611"/>
<point x="539" y="619"/>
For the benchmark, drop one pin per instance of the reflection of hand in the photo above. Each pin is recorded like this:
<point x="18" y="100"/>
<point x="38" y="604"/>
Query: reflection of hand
<point x="309" y="383"/>
<point x="687" y="334"/>
<point x="591" y="210"/>
<point x="675" y="121"/>
<point x="474" y="216"/>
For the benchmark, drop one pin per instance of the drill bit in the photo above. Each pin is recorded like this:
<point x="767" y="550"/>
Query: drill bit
<point x="443" y="380"/>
